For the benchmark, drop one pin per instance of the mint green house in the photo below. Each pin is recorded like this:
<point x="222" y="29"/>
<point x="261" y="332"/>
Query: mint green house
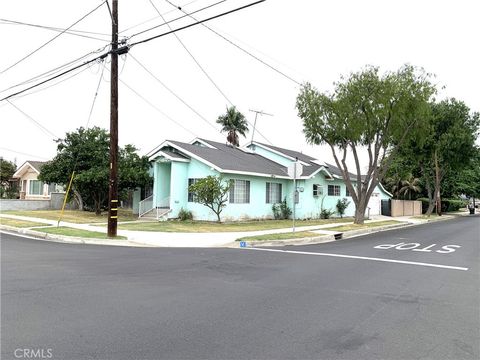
<point x="260" y="175"/>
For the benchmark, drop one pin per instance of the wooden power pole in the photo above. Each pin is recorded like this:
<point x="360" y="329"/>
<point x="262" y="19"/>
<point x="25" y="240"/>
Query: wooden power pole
<point x="113" y="183"/>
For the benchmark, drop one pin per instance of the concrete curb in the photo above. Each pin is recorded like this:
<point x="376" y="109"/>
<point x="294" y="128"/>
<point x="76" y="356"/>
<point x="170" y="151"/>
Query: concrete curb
<point x="323" y="238"/>
<point x="38" y="235"/>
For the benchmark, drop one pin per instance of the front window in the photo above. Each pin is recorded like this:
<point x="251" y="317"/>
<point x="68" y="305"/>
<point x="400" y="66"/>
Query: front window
<point x="36" y="187"/>
<point x="273" y="193"/>
<point x="240" y="192"/>
<point x="333" y="190"/>
<point x="191" y="195"/>
<point x="347" y="193"/>
<point x="317" y="190"/>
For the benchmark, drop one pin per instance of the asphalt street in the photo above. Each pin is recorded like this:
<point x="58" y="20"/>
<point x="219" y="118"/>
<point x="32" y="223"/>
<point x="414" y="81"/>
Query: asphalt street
<point x="410" y="293"/>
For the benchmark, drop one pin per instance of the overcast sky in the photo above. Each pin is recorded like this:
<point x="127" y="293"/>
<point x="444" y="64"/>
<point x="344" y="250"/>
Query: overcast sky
<point x="307" y="40"/>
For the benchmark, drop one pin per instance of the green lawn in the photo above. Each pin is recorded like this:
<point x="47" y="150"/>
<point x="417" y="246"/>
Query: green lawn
<point x="280" y="236"/>
<point x="67" y="231"/>
<point x="74" y="216"/>
<point x="19" y="223"/>
<point x="204" y="226"/>
<point x="364" y="226"/>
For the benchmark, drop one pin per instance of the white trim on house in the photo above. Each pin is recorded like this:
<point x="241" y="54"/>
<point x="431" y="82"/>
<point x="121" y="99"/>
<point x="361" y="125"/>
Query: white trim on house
<point x="226" y="171"/>
<point x="171" y="158"/>
<point x="276" y="152"/>
<point x="19" y="174"/>
<point x="203" y="143"/>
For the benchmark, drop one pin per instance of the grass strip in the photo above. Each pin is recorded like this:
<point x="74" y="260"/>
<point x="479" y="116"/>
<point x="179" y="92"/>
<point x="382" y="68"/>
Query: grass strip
<point x="19" y="223"/>
<point x="68" y="231"/>
<point x="363" y="226"/>
<point x="280" y="236"/>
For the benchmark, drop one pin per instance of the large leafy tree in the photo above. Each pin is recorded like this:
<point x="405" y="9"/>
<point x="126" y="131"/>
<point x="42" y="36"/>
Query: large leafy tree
<point x="233" y="123"/>
<point x="368" y="112"/>
<point x="7" y="169"/>
<point x="86" y="151"/>
<point x="212" y="192"/>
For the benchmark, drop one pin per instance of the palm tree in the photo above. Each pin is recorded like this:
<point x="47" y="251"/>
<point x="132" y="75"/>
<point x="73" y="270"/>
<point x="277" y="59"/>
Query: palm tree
<point x="233" y="123"/>
<point x="410" y="185"/>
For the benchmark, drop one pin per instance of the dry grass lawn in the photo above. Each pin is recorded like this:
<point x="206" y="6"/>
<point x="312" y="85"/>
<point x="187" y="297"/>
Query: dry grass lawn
<point x="364" y="226"/>
<point x="19" y="223"/>
<point x="74" y="216"/>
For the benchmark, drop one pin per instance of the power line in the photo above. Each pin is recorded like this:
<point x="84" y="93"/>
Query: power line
<point x="22" y="153"/>
<point x="193" y="58"/>
<point x="43" y="128"/>
<point x="173" y="20"/>
<point x="54" y="70"/>
<point x="73" y="32"/>
<point x="136" y="43"/>
<point x="56" y="76"/>
<point x="49" y="41"/>
<point x="95" y="96"/>
<point x="174" y="94"/>
<point x="197" y="22"/>
<point x="238" y="46"/>
<point x="156" y="17"/>
<point x="156" y="108"/>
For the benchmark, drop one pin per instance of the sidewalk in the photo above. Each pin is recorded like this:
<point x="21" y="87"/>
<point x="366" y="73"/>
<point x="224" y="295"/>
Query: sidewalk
<point x="169" y="239"/>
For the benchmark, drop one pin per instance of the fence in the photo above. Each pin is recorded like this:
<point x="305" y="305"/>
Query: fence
<point x="405" y="207"/>
<point x="55" y="203"/>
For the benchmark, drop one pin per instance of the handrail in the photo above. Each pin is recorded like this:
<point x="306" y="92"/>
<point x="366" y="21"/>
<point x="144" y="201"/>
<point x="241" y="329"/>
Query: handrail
<point x="145" y="206"/>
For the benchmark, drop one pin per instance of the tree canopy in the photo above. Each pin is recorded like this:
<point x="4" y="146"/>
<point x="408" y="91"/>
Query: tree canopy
<point x="87" y="152"/>
<point x="367" y="111"/>
<point x="212" y="192"/>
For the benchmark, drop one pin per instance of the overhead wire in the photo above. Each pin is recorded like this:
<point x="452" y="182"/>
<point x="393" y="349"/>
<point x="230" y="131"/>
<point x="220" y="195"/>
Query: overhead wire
<point x="73" y="32"/>
<point x="38" y="124"/>
<point x="237" y="46"/>
<point x="203" y="70"/>
<point x="52" y="39"/>
<point x="154" y="18"/>
<point x="174" y="94"/>
<point x="136" y="43"/>
<point x="96" y="94"/>
<point x="54" y="70"/>
<point x="197" y="23"/>
<point x="22" y="153"/>
<point x="193" y="57"/>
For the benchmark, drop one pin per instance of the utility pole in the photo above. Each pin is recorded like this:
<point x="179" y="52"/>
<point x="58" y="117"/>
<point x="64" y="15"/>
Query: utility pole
<point x="255" y="123"/>
<point x="113" y="183"/>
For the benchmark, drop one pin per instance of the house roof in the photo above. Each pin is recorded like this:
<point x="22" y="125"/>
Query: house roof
<point x="231" y="159"/>
<point x="35" y="165"/>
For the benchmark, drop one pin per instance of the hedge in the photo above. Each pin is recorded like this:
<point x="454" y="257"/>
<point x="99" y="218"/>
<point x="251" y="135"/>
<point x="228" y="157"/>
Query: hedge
<point x="447" y="204"/>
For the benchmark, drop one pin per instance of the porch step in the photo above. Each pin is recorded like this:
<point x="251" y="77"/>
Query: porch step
<point x="152" y="214"/>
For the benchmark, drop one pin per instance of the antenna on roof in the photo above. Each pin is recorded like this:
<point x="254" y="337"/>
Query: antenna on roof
<point x="255" y="122"/>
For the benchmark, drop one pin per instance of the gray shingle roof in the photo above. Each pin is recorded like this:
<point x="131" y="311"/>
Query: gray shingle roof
<point x="37" y="165"/>
<point x="174" y="155"/>
<point x="229" y="158"/>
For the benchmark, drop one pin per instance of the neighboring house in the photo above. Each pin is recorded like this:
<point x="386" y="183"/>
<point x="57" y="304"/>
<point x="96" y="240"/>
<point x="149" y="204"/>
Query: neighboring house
<point x="29" y="186"/>
<point x="260" y="179"/>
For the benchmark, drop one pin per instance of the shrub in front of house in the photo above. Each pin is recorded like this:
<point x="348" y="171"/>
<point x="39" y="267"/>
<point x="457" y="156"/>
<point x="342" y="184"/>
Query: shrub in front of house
<point x="184" y="215"/>
<point x="281" y="211"/>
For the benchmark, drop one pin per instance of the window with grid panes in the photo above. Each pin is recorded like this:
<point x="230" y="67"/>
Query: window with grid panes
<point x="273" y="193"/>
<point x="317" y="190"/>
<point x="240" y="192"/>
<point x="191" y="196"/>
<point x="333" y="190"/>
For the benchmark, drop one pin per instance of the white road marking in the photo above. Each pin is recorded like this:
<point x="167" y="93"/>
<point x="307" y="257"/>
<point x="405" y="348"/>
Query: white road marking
<point x="363" y="258"/>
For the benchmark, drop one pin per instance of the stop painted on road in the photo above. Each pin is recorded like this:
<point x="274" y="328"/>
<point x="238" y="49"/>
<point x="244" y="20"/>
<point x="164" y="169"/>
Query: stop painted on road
<point x="445" y="249"/>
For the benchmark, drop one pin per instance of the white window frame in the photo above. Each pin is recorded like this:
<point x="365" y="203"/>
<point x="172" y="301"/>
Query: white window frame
<point x="317" y="189"/>
<point x="336" y="190"/>
<point x="240" y="192"/>
<point x="273" y="193"/>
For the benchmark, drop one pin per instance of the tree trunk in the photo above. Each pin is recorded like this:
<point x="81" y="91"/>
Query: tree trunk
<point x="431" y="197"/>
<point x="98" y="210"/>
<point x="360" y="212"/>
<point x="78" y="199"/>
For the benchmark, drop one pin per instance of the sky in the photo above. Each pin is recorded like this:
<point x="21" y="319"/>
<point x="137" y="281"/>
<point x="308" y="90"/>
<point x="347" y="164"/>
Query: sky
<point x="305" y="40"/>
